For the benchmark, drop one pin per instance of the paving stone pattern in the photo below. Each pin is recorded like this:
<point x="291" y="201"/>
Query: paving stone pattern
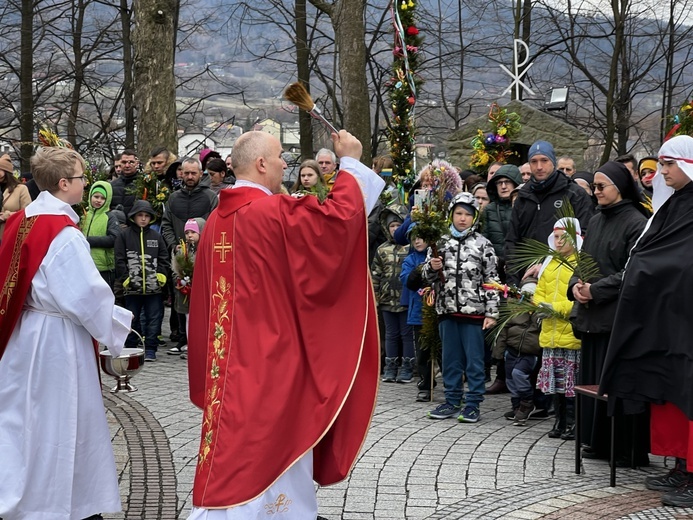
<point x="411" y="467"/>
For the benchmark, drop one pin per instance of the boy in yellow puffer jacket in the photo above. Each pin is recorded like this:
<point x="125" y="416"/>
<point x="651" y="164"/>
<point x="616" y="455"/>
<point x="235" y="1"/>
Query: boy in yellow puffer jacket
<point x="560" y="348"/>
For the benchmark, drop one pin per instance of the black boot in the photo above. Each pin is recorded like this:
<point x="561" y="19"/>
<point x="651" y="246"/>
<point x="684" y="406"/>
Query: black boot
<point x="569" y="433"/>
<point x="559" y="423"/>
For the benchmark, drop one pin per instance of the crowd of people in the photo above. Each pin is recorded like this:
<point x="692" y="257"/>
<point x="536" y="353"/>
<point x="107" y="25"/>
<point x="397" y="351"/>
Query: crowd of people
<point x="623" y="327"/>
<point x="580" y="331"/>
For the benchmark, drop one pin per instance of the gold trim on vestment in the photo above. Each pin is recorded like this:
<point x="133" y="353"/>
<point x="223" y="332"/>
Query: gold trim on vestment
<point x="10" y="283"/>
<point x="218" y="354"/>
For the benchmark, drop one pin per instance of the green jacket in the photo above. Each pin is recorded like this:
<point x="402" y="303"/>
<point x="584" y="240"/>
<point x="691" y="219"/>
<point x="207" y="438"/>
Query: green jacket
<point x="101" y="229"/>
<point x="496" y="216"/>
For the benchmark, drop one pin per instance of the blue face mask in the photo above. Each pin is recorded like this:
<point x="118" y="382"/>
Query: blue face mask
<point x="459" y="234"/>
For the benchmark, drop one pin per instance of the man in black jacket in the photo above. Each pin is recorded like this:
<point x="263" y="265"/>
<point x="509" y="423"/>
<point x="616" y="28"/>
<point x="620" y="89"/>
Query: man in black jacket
<point x="537" y="204"/>
<point x="192" y="201"/>
<point x="129" y="169"/>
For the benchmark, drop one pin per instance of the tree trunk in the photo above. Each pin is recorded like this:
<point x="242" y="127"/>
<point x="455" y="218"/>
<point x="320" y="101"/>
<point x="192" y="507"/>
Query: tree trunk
<point x="155" y="88"/>
<point x="303" y="70"/>
<point x="350" y="40"/>
<point x="128" y="86"/>
<point x="349" y="25"/>
<point x="26" y="95"/>
<point x="668" y="90"/>
<point x="78" y="25"/>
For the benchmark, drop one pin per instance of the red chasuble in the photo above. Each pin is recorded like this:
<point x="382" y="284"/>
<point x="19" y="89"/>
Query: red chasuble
<point x="25" y="243"/>
<point x="283" y="342"/>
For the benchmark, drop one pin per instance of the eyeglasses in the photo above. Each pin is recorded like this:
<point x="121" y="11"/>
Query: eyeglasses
<point x="598" y="186"/>
<point x="504" y="182"/>
<point x="82" y="178"/>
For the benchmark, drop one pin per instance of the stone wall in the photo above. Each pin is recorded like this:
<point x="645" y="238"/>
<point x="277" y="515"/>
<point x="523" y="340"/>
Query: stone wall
<point x="536" y="125"/>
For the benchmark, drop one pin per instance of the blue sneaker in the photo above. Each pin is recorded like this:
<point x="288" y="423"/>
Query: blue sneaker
<point x="444" y="411"/>
<point x="150" y="355"/>
<point x="470" y="414"/>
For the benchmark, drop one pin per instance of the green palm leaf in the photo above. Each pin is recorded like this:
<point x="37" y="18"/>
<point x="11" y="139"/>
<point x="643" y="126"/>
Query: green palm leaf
<point x="530" y="252"/>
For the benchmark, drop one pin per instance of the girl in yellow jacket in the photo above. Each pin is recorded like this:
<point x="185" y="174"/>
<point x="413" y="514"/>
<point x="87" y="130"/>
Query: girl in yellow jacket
<point x="560" y="348"/>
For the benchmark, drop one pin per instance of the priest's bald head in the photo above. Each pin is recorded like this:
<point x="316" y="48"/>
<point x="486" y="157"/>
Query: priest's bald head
<point x="257" y="157"/>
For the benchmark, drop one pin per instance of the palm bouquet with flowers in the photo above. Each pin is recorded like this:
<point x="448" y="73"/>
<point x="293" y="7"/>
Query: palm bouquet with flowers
<point x="48" y="138"/>
<point x="430" y="218"/>
<point x="442" y="181"/>
<point x="184" y="262"/>
<point x="319" y="190"/>
<point x="148" y="187"/>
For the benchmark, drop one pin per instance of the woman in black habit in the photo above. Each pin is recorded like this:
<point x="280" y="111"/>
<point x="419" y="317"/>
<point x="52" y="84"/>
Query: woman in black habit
<point x="612" y="233"/>
<point x="649" y="361"/>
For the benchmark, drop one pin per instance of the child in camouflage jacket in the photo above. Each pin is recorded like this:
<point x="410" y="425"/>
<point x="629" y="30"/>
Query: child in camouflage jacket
<point x="385" y="270"/>
<point x="464" y="307"/>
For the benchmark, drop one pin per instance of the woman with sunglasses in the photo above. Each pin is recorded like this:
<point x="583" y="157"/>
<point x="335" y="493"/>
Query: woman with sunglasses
<point x="612" y="233"/>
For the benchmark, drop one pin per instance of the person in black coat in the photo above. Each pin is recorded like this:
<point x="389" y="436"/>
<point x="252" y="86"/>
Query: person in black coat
<point x="496" y="216"/>
<point x="612" y="233"/>
<point x="123" y="195"/>
<point x="495" y="225"/>
<point x="537" y="204"/>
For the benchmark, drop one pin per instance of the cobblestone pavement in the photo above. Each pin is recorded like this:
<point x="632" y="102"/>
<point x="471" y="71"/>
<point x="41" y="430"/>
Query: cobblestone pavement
<point x="410" y="467"/>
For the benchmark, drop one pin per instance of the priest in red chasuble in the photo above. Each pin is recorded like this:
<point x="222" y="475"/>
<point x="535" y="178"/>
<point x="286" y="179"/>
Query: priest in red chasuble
<point x="283" y="341"/>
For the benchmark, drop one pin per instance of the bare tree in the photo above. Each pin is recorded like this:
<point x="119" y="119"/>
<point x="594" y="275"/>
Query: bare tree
<point x="613" y="62"/>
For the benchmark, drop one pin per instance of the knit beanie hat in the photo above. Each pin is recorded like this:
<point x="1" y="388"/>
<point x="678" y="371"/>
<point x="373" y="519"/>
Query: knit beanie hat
<point x="99" y="189"/>
<point x="619" y="174"/>
<point x="466" y="173"/>
<point x="542" y="148"/>
<point x="206" y="155"/>
<point x="192" y="225"/>
<point x="6" y="163"/>
<point x="529" y="285"/>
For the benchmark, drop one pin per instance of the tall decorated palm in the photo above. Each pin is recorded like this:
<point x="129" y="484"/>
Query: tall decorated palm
<point x="404" y="86"/>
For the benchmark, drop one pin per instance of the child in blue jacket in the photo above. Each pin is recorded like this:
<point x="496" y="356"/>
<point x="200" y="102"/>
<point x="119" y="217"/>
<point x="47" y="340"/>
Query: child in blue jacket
<point x="412" y="281"/>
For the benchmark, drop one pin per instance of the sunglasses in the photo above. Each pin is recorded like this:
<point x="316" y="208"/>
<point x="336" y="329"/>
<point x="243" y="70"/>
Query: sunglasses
<point x="598" y="186"/>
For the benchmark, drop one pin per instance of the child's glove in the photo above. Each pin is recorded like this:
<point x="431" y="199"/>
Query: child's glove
<point x="161" y="278"/>
<point x="126" y="283"/>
